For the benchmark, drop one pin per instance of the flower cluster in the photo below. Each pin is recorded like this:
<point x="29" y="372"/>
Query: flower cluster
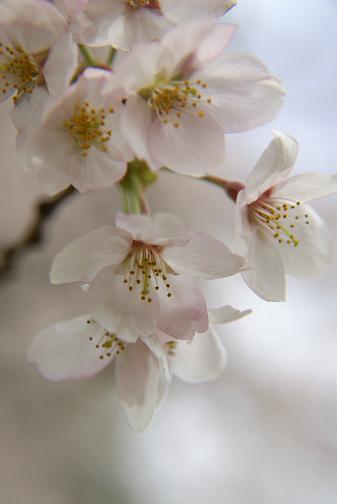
<point x="163" y="94"/>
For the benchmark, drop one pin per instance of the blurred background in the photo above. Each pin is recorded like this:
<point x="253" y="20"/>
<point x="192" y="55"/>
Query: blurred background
<point x="266" y="432"/>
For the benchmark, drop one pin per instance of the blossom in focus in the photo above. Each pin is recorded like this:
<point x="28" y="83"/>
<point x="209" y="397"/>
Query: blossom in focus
<point x="143" y="274"/>
<point x="122" y="23"/>
<point x="81" y="348"/>
<point x="185" y="93"/>
<point x="37" y="59"/>
<point x="276" y="229"/>
<point x="78" y="141"/>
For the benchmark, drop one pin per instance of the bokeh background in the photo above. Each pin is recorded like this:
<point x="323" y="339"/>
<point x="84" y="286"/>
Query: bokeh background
<point x="264" y="433"/>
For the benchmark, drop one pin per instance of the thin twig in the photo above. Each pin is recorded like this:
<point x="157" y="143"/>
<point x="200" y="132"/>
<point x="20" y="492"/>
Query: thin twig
<point x="34" y="235"/>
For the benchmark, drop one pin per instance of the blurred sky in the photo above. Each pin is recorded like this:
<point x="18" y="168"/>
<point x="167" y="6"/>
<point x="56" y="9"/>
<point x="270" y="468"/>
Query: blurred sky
<point x="266" y="432"/>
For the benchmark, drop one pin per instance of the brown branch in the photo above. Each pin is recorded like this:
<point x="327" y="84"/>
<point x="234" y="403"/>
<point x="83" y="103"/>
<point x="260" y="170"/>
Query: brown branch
<point x="232" y="188"/>
<point x="35" y="233"/>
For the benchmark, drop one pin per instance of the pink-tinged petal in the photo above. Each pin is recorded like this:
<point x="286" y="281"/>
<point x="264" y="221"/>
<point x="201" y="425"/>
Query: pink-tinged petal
<point x="191" y="145"/>
<point x="314" y="252"/>
<point x="185" y="311"/>
<point x="135" y="124"/>
<point x="273" y="166"/>
<point x="265" y="274"/>
<point x="159" y="229"/>
<point x="212" y="45"/>
<point x="86" y="256"/>
<point x="225" y="314"/>
<point x="65" y="351"/>
<point x="204" y="257"/>
<point x="244" y="95"/>
<point x="199" y="360"/>
<point x="306" y="187"/>
<point x="179" y="11"/>
<point x="139" y="384"/>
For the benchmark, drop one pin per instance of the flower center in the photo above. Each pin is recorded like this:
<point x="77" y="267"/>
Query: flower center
<point x="20" y="72"/>
<point x="278" y="218"/>
<point x="171" y="100"/>
<point x="87" y="127"/>
<point x="171" y="347"/>
<point x="107" y="342"/>
<point x="137" y="4"/>
<point x="146" y="271"/>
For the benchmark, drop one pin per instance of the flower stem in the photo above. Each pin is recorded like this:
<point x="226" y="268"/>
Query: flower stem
<point x="88" y="57"/>
<point x="231" y="187"/>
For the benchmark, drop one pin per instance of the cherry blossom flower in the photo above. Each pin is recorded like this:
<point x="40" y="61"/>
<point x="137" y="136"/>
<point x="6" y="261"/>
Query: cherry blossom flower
<point x="185" y="93"/>
<point x="277" y="230"/>
<point x="78" y="141"/>
<point x="81" y="348"/>
<point x="143" y="274"/>
<point x="122" y="23"/>
<point x="37" y="59"/>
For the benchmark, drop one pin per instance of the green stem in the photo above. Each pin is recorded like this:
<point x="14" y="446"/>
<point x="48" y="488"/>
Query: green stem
<point x="111" y="55"/>
<point x="88" y="57"/>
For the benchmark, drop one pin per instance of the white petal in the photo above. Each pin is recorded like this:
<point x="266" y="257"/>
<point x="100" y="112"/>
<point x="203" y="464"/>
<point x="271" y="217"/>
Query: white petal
<point x="244" y="94"/>
<point x="265" y="274"/>
<point x="64" y="351"/>
<point x="306" y="187"/>
<point x="314" y="252"/>
<point x="160" y="229"/>
<point x="135" y="123"/>
<point x="122" y="307"/>
<point x="194" y="148"/>
<point x="142" y="25"/>
<point x="179" y="46"/>
<point x="139" y="384"/>
<point x="225" y="314"/>
<point x="139" y="226"/>
<point x="179" y="11"/>
<point x="86" y="256"/>
<point x="61" y="65"/>
<point x="33" y="25"/>
<point x="273" y="166"/>
<point x="199" y="360"/>
<point x="212" y="45"/>
<point x="26" y="117"/>
<point x="157" y="348"/>
<point x="49" y="154"/>
<point x="204" y="257"/>
<point x="99" y="170"/>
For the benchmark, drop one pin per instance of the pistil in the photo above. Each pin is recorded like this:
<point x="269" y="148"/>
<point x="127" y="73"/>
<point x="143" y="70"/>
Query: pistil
<point x="146" y="271"/>
<point x="87" y="126"/>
